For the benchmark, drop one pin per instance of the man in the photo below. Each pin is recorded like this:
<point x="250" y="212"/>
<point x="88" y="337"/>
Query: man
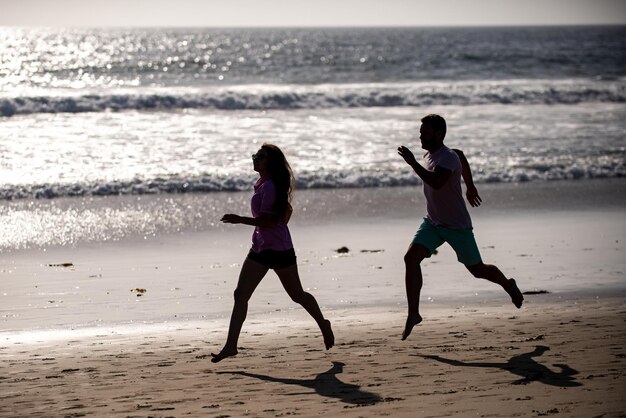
<point x="447" y="218"/>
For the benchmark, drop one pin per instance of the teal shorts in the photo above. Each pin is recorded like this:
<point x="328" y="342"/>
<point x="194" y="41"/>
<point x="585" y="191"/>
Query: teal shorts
<point x="461" y="240"/>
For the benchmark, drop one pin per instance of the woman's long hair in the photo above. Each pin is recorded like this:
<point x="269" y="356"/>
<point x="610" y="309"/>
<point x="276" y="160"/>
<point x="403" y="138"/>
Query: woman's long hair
<point x="282" y="176"/>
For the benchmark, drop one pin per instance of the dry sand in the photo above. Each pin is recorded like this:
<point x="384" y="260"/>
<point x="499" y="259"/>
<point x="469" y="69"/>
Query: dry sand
<point x="557" y="356"/>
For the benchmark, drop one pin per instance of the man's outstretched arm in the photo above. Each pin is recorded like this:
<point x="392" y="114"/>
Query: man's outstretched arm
<point x="435" y="179"/>
<point x="472" y="193"/>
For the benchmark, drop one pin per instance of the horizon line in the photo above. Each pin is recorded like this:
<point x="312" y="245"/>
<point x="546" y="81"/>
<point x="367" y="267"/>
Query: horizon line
<point x="348" y="26"/>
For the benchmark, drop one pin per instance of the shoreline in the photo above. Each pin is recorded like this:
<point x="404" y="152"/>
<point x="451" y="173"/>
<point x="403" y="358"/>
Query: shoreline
<point x="41" y="224"/>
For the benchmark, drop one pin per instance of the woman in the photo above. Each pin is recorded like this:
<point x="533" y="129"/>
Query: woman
<point x="271" y="246"/>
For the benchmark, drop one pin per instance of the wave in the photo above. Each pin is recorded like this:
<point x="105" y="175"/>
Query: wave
<point x="210" y="184"/>
<point x="266" y="97"/>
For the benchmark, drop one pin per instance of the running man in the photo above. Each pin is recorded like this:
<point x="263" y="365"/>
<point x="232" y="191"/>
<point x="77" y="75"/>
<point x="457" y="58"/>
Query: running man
<point x="447" y="218"/>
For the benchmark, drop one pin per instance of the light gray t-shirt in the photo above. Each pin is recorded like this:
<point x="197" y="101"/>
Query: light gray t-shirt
<point x="446" y="207"/>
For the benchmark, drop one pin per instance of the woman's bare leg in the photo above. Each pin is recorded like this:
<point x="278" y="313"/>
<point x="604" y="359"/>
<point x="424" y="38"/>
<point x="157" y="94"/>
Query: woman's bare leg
<point x="291" y="282"/>
<point x="249" y="278"/>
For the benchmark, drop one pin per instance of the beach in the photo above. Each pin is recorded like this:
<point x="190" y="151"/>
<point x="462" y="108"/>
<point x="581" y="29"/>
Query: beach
<point x="559" y="356"/>
<point x="122" y="148"/>
<point x="127" y="327"/>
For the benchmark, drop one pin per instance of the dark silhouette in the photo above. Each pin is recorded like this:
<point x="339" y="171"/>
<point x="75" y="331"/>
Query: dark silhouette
<point x="525" y="366"/>
<point x="325" y="384"/>
<point x="447" y="217"/>
<point x="272" y="247"/>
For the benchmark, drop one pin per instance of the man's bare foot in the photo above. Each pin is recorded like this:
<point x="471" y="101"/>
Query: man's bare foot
<point x="411" y="321"/>
<point x="327" y="332"/>
<point x="515" y="293"/>
<point x="222" y="355"/>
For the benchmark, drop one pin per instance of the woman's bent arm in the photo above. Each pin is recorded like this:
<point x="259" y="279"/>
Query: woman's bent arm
<point x="263" y="221"/>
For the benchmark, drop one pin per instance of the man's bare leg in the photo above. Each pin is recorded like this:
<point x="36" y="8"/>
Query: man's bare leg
<point x="413" y="282"/>
<point x="494" y="275"/>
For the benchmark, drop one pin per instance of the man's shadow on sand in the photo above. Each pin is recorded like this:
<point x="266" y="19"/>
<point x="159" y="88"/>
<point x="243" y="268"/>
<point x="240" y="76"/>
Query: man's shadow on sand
<point x="325" y="384"/>
<point x="525" y="366"/>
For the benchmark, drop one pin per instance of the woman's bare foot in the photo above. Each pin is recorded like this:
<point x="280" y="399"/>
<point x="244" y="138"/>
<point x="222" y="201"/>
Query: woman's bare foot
<point x="411" y="321"/>
<point x="327" y="332"/>
<point x="223" y="354"/>
<point x="515" y="293"/>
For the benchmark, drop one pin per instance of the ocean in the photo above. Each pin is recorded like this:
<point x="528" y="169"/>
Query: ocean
<point x="90" y="116"/>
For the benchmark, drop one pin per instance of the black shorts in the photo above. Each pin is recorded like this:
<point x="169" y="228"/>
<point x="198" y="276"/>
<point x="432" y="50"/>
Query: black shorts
<point x="274" y="259"/>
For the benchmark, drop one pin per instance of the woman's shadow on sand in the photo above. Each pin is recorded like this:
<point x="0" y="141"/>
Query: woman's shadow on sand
<point x="525" y="366"/>
<point x="325" y="384"/>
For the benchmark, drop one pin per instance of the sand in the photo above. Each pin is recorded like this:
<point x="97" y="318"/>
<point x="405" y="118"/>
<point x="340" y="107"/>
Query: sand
<point x="557" y="356"/>
<point x="85" y="339"/>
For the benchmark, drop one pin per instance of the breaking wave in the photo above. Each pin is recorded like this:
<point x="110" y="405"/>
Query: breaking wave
<point x="266" y="97"/>
<point x="325" y="180"/>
